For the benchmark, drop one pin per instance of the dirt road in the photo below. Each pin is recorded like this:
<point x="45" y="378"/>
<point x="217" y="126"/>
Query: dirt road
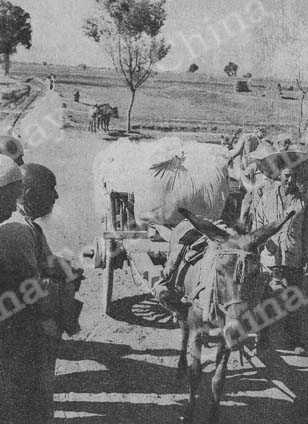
<point x="122" y="370"/>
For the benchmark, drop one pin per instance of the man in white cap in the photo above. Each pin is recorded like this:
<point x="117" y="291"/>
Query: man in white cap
<point x="10" y="187"/>
<point x="30" y="337"/>
<point x="10" y="146"/>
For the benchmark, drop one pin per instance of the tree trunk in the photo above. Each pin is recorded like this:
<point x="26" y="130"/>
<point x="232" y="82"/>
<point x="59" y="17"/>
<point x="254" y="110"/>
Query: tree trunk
<point x="6" y="57"/>
<point x="301" y="115"/>
<point x="133" y="92"/>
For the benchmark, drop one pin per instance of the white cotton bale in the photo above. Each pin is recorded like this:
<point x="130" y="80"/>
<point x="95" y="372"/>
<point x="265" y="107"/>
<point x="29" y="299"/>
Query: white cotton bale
<point x="197" y="180"/>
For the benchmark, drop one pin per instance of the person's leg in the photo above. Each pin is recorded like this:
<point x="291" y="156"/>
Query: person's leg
<point x="46" y="363"/>
<point x="18" y="377"/>
<point x="292" y="323"/>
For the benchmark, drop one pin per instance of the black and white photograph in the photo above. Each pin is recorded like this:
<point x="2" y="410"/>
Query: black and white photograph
<point x="153" y="212"/>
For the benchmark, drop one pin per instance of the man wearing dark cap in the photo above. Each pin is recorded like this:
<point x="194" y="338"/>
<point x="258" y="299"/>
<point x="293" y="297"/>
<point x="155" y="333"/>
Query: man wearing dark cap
<point x="10" y="146"/>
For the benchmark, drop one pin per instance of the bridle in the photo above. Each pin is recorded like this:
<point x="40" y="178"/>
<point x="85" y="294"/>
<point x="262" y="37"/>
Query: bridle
<point x="240" y="275"/>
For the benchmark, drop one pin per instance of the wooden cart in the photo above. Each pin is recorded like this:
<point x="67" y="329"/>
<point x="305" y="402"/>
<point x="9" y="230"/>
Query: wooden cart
<point x="123" y="243"/>
<point x="143" y="250"/>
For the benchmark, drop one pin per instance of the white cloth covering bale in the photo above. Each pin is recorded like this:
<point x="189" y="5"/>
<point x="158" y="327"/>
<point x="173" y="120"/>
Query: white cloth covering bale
<point x="164" y="175"/>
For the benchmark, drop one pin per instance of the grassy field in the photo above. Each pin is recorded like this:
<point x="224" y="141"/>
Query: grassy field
<point x="181" y="102"/>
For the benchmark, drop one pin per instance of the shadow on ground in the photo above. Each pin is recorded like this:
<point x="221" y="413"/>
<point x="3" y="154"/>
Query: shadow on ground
<point x="151" y="393"/>
<point x="142" y="310"/>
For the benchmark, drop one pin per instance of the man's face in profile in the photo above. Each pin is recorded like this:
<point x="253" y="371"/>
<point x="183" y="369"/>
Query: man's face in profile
<point x="288" y="180"/>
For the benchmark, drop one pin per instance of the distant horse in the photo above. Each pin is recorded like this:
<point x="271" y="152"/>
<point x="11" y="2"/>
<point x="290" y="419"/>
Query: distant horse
<point x="219" y="288"/>
<point x="93" y="118"/>
<point x="105" y="113"/>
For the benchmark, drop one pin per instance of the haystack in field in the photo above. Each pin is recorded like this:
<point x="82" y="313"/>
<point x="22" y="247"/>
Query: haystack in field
<point x="164" y="175"/>
<point x="242" y="86"/>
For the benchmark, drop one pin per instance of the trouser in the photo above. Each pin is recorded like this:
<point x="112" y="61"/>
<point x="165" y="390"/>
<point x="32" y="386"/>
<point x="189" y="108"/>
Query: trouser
<point x="27" y="369"/>
<point x="292" y="323"/>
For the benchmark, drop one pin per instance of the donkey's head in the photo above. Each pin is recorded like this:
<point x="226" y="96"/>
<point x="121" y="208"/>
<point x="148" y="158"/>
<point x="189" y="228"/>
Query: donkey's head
<point x="114" y="112"/>
<point x="236" y="266"/>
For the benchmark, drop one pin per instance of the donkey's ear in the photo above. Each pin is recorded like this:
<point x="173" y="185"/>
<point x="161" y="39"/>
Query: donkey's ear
<point x="205" y="227"/>
<point x="190" y="237"/>
<point x="260" y="236"/>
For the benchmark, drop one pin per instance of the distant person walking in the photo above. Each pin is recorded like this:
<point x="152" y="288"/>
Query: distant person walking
<point x="52" y="82"/>
<point x="77" y="96"/>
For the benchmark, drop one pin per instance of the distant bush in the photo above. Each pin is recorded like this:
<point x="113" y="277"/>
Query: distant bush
<point x="193" y="68"/>
<point x="231" y="69"/>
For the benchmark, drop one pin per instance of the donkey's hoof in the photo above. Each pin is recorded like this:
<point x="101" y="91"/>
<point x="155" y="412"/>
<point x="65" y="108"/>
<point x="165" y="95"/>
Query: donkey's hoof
<point x="214" y="415"/>
<point x="186" y="419"/>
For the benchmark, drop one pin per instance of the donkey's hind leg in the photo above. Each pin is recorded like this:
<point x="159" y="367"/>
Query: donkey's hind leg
<point x="218" y="381"/>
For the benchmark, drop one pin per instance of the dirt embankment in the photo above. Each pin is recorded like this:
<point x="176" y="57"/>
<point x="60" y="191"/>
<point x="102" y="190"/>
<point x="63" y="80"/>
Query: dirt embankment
<point x="17" y="97"/>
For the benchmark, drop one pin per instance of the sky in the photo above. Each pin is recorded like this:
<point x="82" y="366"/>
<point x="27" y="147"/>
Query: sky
<point x="265" y="37"/>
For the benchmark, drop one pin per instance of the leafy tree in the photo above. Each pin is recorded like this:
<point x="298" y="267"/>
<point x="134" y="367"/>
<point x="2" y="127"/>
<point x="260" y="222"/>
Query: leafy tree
<point x="131" y="33"/>
<point x="231" y="69"/>
<point x="15" y="29"/>
<point x="193" y="68"/>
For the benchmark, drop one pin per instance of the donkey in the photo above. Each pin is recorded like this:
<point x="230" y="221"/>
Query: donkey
<point x="93" y="118"/>
<point x="230" y="275"/>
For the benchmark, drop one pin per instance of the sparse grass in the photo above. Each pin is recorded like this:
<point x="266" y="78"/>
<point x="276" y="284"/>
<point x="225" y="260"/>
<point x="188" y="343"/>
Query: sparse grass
<point x="173" y="102"/>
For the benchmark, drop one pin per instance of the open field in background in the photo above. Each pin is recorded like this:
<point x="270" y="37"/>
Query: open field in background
<point x="181" y="102"/>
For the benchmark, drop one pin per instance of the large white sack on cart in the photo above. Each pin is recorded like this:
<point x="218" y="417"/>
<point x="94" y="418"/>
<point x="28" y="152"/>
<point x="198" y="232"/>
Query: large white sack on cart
<point x="164" y="175"/>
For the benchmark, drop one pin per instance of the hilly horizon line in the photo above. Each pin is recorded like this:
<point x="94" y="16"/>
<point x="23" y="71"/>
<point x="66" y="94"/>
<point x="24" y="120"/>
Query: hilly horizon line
<point x="200" y="71"/>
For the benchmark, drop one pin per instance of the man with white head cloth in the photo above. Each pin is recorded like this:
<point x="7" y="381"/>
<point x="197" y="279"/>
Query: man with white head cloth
<point x="11" y="146"/>
<point x="10" y="187"/>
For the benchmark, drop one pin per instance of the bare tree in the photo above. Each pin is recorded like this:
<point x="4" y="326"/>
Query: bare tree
<point x="131" y="33"/>
<point x="302" y="99"/>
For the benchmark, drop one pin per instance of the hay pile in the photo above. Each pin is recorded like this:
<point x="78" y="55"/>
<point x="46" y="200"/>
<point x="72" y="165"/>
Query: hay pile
<point x="163" y="175"/>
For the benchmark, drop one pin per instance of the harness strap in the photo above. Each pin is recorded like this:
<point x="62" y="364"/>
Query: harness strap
<point x="213" y="290"/>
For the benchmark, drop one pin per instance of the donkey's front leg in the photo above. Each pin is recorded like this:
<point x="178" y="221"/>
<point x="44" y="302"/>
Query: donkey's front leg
<point x="195" y="374"/>
<point x="182" y="364"/>
<point x="218" y="381"/>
